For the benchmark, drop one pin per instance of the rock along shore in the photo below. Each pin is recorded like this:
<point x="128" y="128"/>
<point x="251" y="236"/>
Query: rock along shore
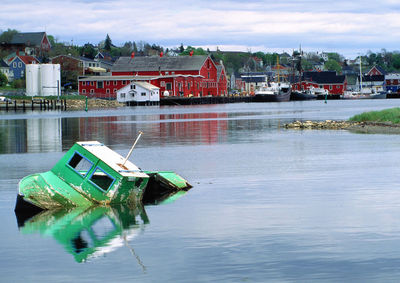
<point x="80" y="104"/>
<point x="360" y="127"/>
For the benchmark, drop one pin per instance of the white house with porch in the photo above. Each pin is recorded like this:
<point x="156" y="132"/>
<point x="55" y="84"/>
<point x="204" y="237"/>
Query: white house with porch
<point x="139" y="92"/>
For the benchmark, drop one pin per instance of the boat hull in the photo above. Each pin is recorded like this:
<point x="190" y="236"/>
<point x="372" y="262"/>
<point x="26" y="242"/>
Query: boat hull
<point x="279" y="97"/>
<point x="47" y="191"/>
<point x="300" y="95"/>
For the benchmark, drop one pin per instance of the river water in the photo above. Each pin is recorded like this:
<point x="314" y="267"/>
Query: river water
<point x="267" y="204"/>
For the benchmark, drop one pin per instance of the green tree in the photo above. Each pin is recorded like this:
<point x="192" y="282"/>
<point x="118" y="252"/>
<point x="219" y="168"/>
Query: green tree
<point x="333" y="65"/>
<point x="7" y="35"/>
<point x="88" y="51"/>
<point x="107" y="43"/>
<point x="396" y="61"/>
<point x="20" y="83"/>
<point x="335" y="56"/>
<point x="3" y="79"/>
<point x="196" y="51"/>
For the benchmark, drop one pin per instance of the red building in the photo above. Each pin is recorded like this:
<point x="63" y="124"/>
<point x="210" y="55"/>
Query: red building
<point x="334" y="84"/>
<point x="183" y="76"/>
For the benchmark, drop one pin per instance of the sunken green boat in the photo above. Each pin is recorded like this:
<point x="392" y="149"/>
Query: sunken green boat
<point x="89" y="174"/>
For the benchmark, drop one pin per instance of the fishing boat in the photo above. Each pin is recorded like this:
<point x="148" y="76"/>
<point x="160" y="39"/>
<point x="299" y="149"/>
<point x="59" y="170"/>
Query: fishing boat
<point x="298" y="95"/>
<point x="89" y="174"/>
<point x="275" y="92"/>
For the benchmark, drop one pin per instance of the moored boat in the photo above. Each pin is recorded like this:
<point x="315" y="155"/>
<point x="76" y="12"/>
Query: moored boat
<point x="297" y="95"/>
<point x="275" y="92"/>
<point x="89" y="174"/>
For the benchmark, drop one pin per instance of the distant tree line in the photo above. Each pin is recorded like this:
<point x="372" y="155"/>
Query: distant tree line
<point x="233" y="61"/>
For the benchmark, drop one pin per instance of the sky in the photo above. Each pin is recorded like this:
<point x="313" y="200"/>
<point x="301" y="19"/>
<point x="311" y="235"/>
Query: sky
<point x="349" y="27"/>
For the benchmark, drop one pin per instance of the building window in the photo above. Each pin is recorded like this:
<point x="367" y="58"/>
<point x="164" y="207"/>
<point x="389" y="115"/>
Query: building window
<point x="208" y="74"/>
<point x="143" y="94"/>
<point x="108" y="91"/>
<point x="122" y="95"/>
<point x="15" y="64"/>
<point x="115" y="90"/>
<point x="169" y="86"/>
<point x="114" y="82"/>
<point x="19" y="65"/>
<point x="92" y="83"/>
<point x="330" y="87"/>
<point x="92" y="91"/>
<point x="100" y="84"/>
<point x="123" y="82"/>
<point x="107" y="82"/>
<point x="133" y="86"/>
<point x="162" y="83"/>
<point x="83" y="91"/>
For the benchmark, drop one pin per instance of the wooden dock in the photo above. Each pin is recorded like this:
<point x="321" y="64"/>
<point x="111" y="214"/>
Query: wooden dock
<point x="34" y="104"/>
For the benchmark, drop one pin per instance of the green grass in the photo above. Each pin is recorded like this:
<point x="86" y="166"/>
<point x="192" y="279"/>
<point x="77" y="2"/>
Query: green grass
<point x="388" y="115"/>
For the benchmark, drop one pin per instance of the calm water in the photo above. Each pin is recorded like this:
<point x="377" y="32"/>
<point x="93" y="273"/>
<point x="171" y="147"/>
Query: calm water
<point x="268" y="204"/>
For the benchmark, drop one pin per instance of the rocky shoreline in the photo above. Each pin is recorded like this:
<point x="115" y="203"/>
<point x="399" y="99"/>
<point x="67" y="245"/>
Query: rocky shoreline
<point x="359" y="127"/>
<point x="80" y="104"/>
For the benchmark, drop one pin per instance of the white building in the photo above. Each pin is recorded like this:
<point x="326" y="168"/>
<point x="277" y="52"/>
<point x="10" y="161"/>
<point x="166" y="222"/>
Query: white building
<point x="139" y="92"/>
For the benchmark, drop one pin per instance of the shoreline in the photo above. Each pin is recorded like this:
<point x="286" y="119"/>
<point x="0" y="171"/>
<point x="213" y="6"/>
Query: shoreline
<point x="357" y="127"/>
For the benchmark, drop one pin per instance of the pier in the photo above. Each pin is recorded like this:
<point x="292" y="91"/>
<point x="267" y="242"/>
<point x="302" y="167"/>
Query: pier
<point x="34" y="104"/>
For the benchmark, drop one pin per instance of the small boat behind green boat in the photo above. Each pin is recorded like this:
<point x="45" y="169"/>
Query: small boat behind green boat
<point x="89" y="174"/>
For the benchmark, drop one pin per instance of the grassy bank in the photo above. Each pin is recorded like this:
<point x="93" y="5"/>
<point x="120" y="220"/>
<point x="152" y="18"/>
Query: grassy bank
<point x="391" y="115"/>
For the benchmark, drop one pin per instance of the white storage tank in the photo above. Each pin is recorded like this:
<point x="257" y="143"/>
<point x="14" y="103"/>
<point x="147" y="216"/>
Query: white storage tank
<point x="32" y="79"/>
<point x="50" y="79"/>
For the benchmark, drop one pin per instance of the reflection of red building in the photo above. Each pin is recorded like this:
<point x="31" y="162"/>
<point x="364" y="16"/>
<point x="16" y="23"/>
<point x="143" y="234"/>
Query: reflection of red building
<point x="183" y="76"/>
<point x="197" y="127"/>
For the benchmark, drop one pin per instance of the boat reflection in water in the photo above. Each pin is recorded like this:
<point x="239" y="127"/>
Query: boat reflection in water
<point x="88" y="232"/>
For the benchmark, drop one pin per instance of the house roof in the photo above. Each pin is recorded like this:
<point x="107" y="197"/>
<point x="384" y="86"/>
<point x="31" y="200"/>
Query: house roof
<point x="156" y="63"/>
<point x="31" y="38"/>
<point x="3" y="64"/>
<point x="134" y="78"/>
<point x="374" y="78"/>
<point x="382" y="71"/>
<point x="26" y="59"/>
<point x="146" y="85"/>
<point x="327" y="77"/>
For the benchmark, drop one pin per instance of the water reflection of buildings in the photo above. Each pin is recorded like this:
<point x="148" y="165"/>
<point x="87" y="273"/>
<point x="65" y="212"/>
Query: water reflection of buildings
<point x="88" y="232"/>
<point x="30" y="135"/>
<point x="59" y="134"/>
<point x="159" y="129"/>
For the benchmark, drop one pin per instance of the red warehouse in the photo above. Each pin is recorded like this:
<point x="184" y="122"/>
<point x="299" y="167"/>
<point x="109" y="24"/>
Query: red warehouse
<point x="335" y="84"/>
<point x="183" y="76"/>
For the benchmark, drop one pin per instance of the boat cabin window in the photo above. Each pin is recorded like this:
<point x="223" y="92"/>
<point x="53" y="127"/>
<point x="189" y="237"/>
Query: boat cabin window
<point x="101" y="179"/>
<point x="80" y="164"/>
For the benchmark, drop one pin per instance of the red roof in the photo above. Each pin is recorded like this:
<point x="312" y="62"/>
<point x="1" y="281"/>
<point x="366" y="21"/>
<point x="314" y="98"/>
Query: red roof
<point x="29" y="59"/>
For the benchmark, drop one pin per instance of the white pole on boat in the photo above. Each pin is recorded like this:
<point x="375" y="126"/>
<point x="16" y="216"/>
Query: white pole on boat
<point x="130" y="152"/>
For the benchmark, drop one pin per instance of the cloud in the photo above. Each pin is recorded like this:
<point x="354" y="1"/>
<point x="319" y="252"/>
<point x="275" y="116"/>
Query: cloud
<point x="273" y="24"/>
